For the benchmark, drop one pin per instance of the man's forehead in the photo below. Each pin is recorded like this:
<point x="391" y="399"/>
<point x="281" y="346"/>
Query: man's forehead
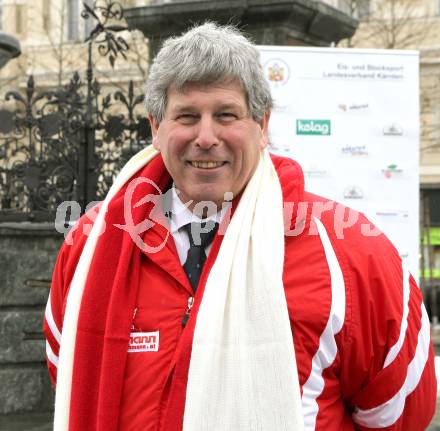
<point x="227" y="93"/>
<point x="233" y="85"/>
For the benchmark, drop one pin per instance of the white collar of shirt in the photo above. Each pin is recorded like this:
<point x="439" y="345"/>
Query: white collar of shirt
<point x="180" y="216"/>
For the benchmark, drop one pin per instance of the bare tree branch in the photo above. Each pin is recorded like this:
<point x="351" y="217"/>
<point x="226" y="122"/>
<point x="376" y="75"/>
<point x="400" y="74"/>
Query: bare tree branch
<point x="392" y="24"/>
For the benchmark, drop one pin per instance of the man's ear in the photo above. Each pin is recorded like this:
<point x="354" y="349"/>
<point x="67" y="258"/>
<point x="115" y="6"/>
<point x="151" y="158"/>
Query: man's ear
<point x="154" y="129"/>
<point x="264" y="124"/>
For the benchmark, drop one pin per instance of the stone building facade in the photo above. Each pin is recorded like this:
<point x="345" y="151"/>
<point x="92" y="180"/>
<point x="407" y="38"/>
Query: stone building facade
<point x="52" y="35"/>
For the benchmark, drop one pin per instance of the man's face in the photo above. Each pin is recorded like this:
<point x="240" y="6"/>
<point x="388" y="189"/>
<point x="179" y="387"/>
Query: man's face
<point x="209" y="142"/>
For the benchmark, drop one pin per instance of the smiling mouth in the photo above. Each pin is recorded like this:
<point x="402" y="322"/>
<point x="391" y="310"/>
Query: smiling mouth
<point x="206" y="165"/>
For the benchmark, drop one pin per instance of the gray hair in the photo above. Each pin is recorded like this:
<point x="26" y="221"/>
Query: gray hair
<point x="207" y="54"/>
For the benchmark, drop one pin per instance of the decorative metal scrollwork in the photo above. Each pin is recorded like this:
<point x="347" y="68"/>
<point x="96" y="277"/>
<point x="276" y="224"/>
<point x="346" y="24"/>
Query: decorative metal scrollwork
<point x="39" y="142"/>
<point x="106" y="14"/>
<point x="121" y="132"/>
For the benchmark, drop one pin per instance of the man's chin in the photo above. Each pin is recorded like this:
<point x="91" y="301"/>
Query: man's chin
<point x="207" y="204"/>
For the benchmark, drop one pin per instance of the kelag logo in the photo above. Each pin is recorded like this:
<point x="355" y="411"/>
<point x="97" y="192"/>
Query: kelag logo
<point x="313" y="127"/>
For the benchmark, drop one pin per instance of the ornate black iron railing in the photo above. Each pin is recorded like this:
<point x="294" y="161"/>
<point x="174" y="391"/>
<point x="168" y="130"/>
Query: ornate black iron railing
<point x="68" y="144"/>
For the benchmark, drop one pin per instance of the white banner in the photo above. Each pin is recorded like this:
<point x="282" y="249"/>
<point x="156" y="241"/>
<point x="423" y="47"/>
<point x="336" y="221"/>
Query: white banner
<point x="350" y="117"/>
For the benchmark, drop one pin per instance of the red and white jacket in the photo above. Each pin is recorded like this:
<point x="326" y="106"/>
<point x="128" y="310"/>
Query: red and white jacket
<point x="360" y="330"/>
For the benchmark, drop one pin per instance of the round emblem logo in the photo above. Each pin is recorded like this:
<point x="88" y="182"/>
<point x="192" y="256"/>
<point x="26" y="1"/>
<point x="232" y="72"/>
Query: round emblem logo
<point x="276" y="71"/>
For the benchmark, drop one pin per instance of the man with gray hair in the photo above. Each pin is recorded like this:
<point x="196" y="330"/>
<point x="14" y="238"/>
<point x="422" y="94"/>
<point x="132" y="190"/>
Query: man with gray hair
<point x="208" y="295"/>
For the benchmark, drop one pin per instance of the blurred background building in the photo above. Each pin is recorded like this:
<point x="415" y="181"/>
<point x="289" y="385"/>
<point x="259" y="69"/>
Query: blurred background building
<point x="52" y="34"/>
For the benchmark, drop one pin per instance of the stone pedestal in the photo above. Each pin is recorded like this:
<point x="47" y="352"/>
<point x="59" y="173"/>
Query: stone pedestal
<point x="27" y="256"/>
<point x="268" y="22"/>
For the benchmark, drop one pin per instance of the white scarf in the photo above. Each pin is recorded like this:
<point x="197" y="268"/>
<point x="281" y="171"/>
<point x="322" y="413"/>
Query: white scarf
<point x="243" y="373"/>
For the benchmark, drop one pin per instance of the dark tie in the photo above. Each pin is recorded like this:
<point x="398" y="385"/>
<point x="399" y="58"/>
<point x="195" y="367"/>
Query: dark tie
<point x="200" y="236"/>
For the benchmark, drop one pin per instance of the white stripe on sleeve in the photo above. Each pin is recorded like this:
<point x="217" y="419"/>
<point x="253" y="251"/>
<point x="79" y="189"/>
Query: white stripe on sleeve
<point x="51" y="322"/>
<point x="393" y="352"/>
<point x="327" y="350"/>
<point x="51" y="355"/>
<point x="389" y="412"/>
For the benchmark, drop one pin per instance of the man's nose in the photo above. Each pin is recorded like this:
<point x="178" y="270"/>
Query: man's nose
<point x="207" y="135"/>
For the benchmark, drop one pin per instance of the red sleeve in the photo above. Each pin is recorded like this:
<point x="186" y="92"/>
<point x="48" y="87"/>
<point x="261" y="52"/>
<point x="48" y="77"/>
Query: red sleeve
<point x="387" y="362"/>
<point x="61" y="278"/>
<point x="53" y="316"/>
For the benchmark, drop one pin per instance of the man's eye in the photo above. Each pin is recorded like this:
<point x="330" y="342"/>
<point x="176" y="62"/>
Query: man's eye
<point x="187" y="118"/>
<point x="227" y="116"/>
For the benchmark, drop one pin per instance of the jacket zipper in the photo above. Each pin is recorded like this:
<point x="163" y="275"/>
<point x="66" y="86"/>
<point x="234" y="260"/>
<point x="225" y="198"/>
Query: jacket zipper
<point x="188" y="310"/>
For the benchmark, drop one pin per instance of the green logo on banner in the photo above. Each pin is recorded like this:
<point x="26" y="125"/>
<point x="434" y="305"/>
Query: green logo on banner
<point x="313" y="127"/>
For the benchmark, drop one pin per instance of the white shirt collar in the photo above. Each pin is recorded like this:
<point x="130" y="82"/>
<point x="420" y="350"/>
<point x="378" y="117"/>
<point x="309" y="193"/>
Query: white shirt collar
<point x="181" y="215"/>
